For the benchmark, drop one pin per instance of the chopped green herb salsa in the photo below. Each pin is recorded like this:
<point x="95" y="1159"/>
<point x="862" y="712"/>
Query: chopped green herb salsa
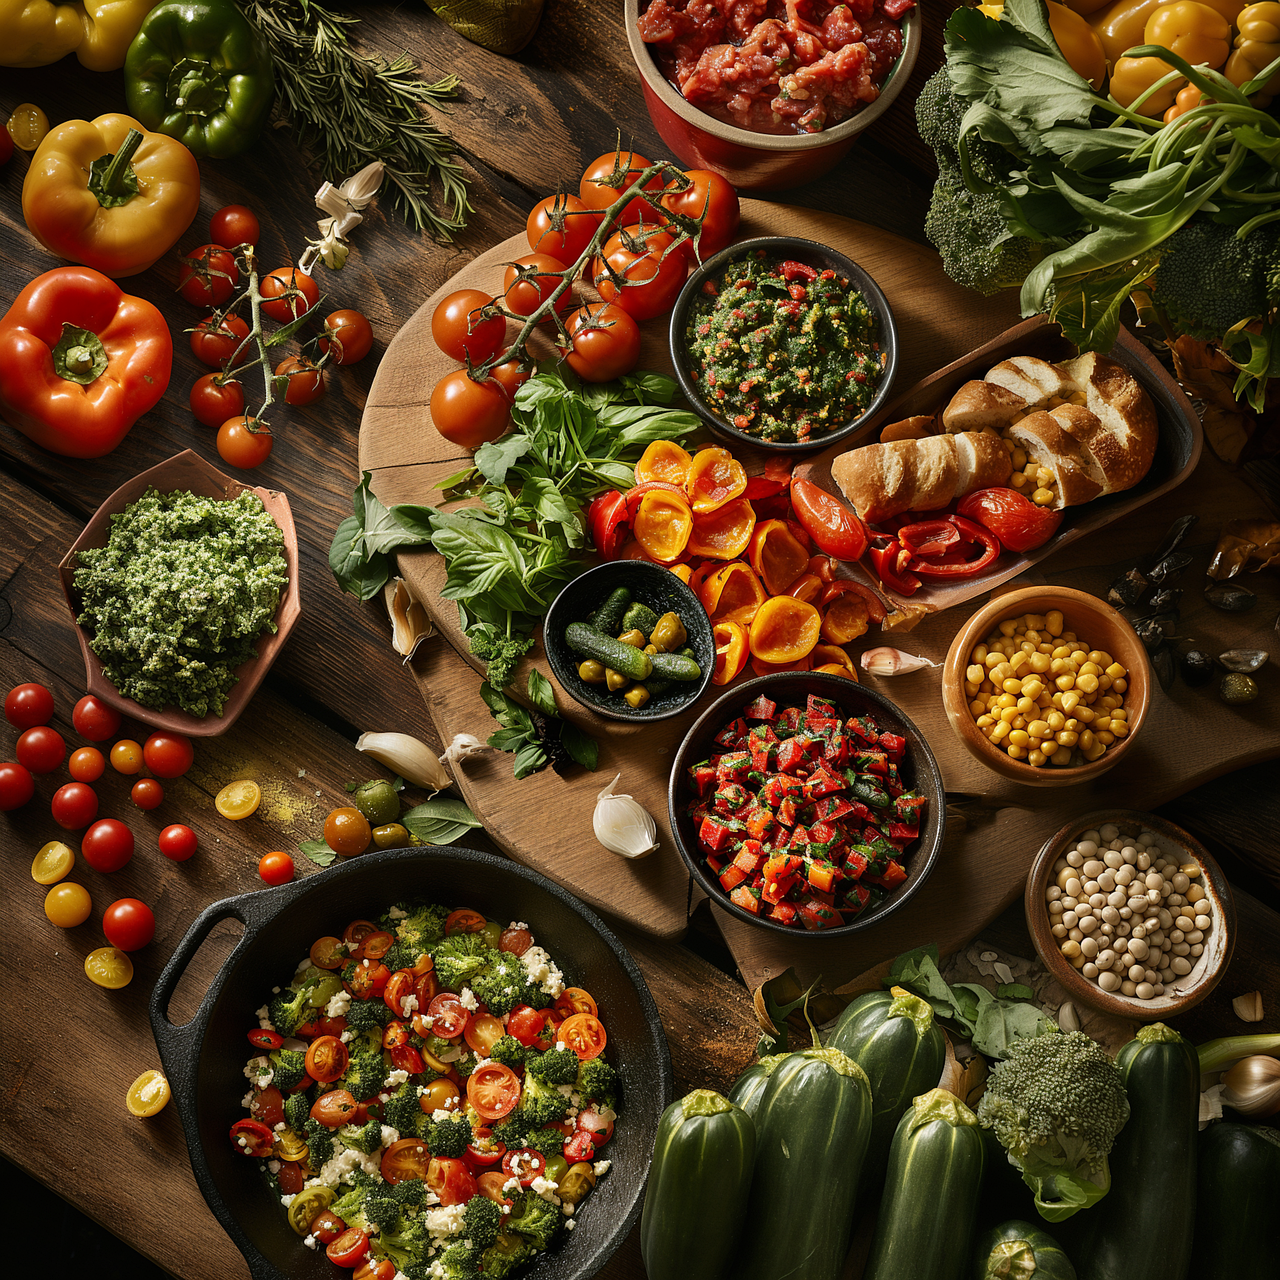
<point x="783" y="351"/>
<point x="179" y="594"/>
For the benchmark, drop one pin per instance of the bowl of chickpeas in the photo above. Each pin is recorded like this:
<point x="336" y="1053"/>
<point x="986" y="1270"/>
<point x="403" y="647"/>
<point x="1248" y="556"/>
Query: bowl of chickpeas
<point x="1130" y="914"/>
<point x="1047" y="686"/>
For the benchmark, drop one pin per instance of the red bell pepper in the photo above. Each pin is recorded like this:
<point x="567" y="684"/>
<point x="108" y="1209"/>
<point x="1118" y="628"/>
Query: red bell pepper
<point x="1011" y="516"/>
<point x="929" y="538"/>
<point x="835" y="529"/>
<point x="80" y="362"/>
<point x="609" y="523"/>
<point x="893" y="565"/>
<point x="954" y="562"/>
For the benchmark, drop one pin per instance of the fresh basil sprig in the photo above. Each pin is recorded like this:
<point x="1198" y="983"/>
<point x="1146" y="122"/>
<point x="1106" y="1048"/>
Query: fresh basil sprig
<point x="538" y="737"/>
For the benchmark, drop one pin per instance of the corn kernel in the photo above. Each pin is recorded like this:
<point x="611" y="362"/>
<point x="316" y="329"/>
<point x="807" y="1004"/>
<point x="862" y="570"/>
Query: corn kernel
<point x="980" y="654"/>
<point x="1087" y="683"/>
<point x="1042" y="497"/>
<point x="1009" y="714"/>
<point x="999" y="730"/>
<point x="1058" y="666"/>
<point x="1008" y="626"/>
<point x="1120" y="686"/>
<point x="1036" y="757"/>
<point x="1027" y="647"/>
<point x="976" y="672"/>
<point x="1019" y="721"/>
<point x="1006" y="700"/>
<point x="1073" y="725"/>
<point x="1096" y="752"/>
<point x="1018" y="481"/>
<point x="1019" y="458"/>
<point x="1119" y="729"/>
<point x="1019" y="737"/>
<point x="1016" y="752"/>
<point x="1088" y="668"/>
<point x="971" y="691"/>
<point x="1065" y="681"/>
<point x="993" y="659"/>
<point x="1116" y="671"/>
<point x="1017" y="660"/>
<point x="1038" y="729"/>
<point x="1068" y="637"/>
<point x="1053" y="622"/>
<point x="1033" y="632"/>
<point x="1001" y="673"/>
<point x="1084" y="714"/>
<point x="1105" y="738"/>
<point x="1012" y="685"/>
<point x="1065" y="738"/>
<point x="1039" y="662"/>
<point x="1033" y="743"/>
<point x="977" y="709"/>
<point x="1032" y="688"/>
<point x="985" y="721"/>
<point x="1060" y="652"/>
<point x="1055" y="721"/>
<point x="1031" y="470"/>
<point x="1101" y="723"/>
<point x="1086" y="740"/>
<point x="1045" y="646"/>
<point x="1070" y="701"/>
<point x="1026" y="706"/>
<point x="1119" y="714"/>
<point x="1048" y="747"/>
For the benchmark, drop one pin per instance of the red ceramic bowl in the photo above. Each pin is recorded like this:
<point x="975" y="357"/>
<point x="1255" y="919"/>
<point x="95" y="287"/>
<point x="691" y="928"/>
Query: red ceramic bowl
<point x="757" y="161"/>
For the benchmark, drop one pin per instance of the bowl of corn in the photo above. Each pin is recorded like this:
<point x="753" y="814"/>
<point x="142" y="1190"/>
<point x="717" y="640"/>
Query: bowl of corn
<point x="1047" y="686"/>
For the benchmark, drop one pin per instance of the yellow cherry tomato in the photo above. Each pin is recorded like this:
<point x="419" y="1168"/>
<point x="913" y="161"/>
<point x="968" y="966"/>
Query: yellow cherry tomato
<point x="27" y="126"/>
<point x="126" y="756"/>
<point x="238" y="799"/>
<point x="148" y="1094"/>
<point x="68" y="905"/>
<point x="53" y="863"/>
<point x="109" y="967"/>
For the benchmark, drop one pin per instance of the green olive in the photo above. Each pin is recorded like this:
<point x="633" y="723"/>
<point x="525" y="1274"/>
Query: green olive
<point x="591" y="671"/>
<point x="491" y="932"/>
<point x="669" y="634"/>
<point x="636" y="696"/>
<point x="391" y="836"/>
<point x="378" y="801"/>
<point x="615" y="680"/>
<point x="1237" y="689"/>
<point x="557" y="1167"/>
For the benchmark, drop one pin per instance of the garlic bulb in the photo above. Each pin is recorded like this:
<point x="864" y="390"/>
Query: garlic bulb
<point x="463" y="747"/>
<point x="410" y="625"/>
<point x="411" y="758"/>
<point x="1253" y="1086"/>
<point x="892" y="662"/>
<point x="623" y="825"/>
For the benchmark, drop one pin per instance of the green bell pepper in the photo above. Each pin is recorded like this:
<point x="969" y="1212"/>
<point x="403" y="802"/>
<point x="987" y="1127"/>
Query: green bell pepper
<point x="199" y="72"/>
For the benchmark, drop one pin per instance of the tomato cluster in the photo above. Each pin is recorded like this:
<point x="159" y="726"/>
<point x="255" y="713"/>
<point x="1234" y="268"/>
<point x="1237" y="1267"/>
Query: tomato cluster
<point x="637" y="265"/>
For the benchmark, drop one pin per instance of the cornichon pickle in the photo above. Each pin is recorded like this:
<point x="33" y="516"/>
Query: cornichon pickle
<point x="639" y="617"/>
<point x="624" y="658"/>
<point x="608" y="618"/>
<point x="675" y="666"/>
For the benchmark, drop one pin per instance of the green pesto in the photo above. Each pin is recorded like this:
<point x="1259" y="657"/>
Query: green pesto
<point x="179" y="594"/>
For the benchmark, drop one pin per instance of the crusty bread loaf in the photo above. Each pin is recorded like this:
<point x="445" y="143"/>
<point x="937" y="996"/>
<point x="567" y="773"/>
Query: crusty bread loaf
<point x="1034" y="380"/>
<point x="1047" y="437"/>
<point x="982" y="406"/>
<point x="1123" y="443"/>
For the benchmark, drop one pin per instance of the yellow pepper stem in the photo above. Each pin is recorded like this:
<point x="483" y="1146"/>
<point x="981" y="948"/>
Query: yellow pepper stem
<point x="115" y="183"/>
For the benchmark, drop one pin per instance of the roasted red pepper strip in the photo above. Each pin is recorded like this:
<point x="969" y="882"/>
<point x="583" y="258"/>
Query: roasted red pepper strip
<point x="893" y="564"/>
<point x="834" y="528"/>
<point x="953" y="570"/>
<point x="1013" y="518"/>
<point x="929" y="538"/>
<point x="608" y="522"/>
<point x="875" y="606"/>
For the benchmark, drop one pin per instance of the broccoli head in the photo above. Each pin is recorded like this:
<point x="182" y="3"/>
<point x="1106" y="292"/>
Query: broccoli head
<point x="366" y="1071"/>
<point x="405" y="1240"/>
<point x="319" y="1144"/>
<point x="504" y="983"/>
<point x="542" y="1103"/>
<point x="556" y="1066"/>
<point x="534" y="1218"/>
<point x="510" y="1052"/>
<point x="460" y="957"/>
<point x="288" y="1067"/>
<point x="514" y="1131"/>
<point x="420" y="930"/>
<point x="504" y="1255"/>
<point x="297" y="1111"/>
<point x="366" y="1138"/>
<point x="481" y="1221"/>
<point x="550" y="1142"/>
<point x="369" y="1015"/>
<point x="1056" y="1104"/>
<point x="598" y="1081"/>
<point x="402" y="1111"/>
<point x="449" y="1137"/>
<point x="499" y="651"/>
<point x="351" y="1206"/>
<point x="457" y="1261"/>
<point x="309" y="991"/>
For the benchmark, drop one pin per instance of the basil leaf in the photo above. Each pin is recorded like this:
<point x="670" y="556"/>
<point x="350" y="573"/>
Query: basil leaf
<point x="493" y="460"/>
<point x="440" y="821"/>
<point x="529" y="759"/>
<point x="541" y="693"/>
<point x="357" y="574"/>
<point x="318" y="852"/>
<point x="583" y="749"/>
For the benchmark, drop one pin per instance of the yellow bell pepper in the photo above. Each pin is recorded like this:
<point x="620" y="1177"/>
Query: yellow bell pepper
<point x="1121" y="27"/>
<point x="109" y="194"/>
<point x="34" y="33"/>
<point x="1257" y="46"/>
<point x="1132" y="77"/>
<point x="1192" y="30"/>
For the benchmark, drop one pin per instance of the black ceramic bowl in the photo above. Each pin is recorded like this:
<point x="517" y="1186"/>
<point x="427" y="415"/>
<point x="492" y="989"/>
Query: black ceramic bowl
<point x="812" y="254"/>
<point x="663" y="592"/>
<point x="920" y="771"/>
<point x="204" y="1059"/>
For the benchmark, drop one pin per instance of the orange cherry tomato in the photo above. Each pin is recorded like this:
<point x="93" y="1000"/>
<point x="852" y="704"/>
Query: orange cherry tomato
<point x="326" y="1059"/>
<point x="464" y="920"/>
<point x="493" y="1090"/>
<point x="575" y="1000"/>
<point x="583" y="1033"/>
<point x="406" y="1159"/>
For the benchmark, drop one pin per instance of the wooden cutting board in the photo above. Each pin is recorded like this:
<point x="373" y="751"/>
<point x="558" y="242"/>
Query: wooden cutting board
<point x="545" y="821"/>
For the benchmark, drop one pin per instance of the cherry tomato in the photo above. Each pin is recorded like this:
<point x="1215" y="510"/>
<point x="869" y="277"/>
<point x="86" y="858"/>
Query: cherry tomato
<point x="17" y="786"/>
<point x="575" y="1000"/>
<point x="368" y="980"/>
<point x="208" y="276"/>
<point x="348" y="1249"/>
<point x="107" y="845"/>
<point x="265" y="1038"/>
<point x="54" y="862"/>
<point x="482" y="1032"/>
<point x="524" y="1165"/>
<point x="177" y="842"/>
<point x="147" y="793"/>
<point x="244" y="442"/>
<point x="606" y="342"/>
<point x="561" y="227"/>
<point x="306" y="382"/>
<point x="214" y="342"/>
<point x="276" y="868"/>
<point x="347" y="337"/>
<point x="129" y="924"/>
<point x="214" y="400"/>
<point x="451" y="1180"/>
<point x="484" y="1151"/>
<point x="399" y="986"/>
<point x="440" y="1095"/>
<point x="525" y="296"/>
<point x="469" y="413"/>
<point x="464" y="920"/>
<point x="510" y="376"/>
<point x="290" y="1177"/>
<point x="238" y="800"/>
<point x="491" y="1186"/>
<point x="516" y="941"/>
<point x="598" y="195"/>
<point x="711" y="196"/>
<point x="87" y="764"/>
<point x="461" y="329"/>
<point x="347" y="831"/>
<point x="358" y="930"/>
<point x="288" y="293"/>
<point x="448" y="1016"/>
<point x="328" y="952"/>
<point x="148" y="1095"/>
<point x="326" y="1226"/>
<point x="375" y="945"/>
<point x="584" y="1034"/>
<point x="168" y="755"/>
<point x="650" y="271"/>
<point x="126" y="756"/>
<point x="493" y="1090"/>
<point x="74" y="806"/>
<point x="425" y="989"/>
<point x="337" y="1107"/>
<point x="28" y="705"/>
<point x="406" y="1159"/>
<point x="94" y="719"/>
<point x="404" y="1057"/>
<point x="234" y="225"/>
<point x="530" y="1026"/>
<point x="67" y="905"/>
<point x="252" y="1138"/>
<point x="41" y="749"/>
<point x="591" y="1122"/>
<point x="327" y="1059"/>
<point x="579" y="1147"/>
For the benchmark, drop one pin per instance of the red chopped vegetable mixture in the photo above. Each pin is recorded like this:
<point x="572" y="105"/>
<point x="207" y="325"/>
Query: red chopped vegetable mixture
<point x="803" y="816"/>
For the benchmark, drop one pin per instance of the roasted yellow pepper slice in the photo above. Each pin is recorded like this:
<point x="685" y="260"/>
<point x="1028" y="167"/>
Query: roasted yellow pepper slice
<point x="34" y="33"/>
<point x="1132" y="77"/>
<point x="1121" y="26"/>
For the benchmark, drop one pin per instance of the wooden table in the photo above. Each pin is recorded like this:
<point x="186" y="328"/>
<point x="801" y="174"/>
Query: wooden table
<point x="525" y="127"/>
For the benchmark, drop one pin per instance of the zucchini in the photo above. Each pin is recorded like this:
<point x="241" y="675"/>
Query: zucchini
<point x="748" y="1088"/>
<point x="924" y="1230"/>
<point x="813" y="1123"/>
<point x="699" y="1183"/>
<point x="1237" y="1235"/>
<point x="607" y="619"/>
<point x="1141" y="1230"/>
<point x="892" y="1036"/>
<point x="638" y="617"/>
<point x="675" y="666"/>
<point x="1016" y="1250"/>
<point x="615" y="655"/>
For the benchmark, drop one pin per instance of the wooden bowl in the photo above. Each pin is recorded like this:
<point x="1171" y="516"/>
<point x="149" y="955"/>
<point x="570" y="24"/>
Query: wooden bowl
<point x="1219" y="941"/>
<point x="1099" y="626"/>
<point x="187" y="470"/>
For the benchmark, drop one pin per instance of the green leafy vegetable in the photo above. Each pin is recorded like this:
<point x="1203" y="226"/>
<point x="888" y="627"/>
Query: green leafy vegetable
<point x="318" y="851"/>
<point x="440" y="820"/>
<point x="537" y="737"/>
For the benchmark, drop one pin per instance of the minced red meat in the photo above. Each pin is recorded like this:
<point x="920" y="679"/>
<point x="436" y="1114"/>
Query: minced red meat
<point x="776" y="66"/>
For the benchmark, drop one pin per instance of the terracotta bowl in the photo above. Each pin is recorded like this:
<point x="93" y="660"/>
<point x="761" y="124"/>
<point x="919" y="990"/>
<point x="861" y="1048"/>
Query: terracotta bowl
<point x="187" y="470"/>
<point x="757" y="161"/>
<point x="1184" y="992"/>
<point x="1099" y="626"/>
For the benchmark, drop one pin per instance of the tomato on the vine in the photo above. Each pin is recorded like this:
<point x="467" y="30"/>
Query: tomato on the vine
<point x="461" y="329"/>
<point x="214" y="342"/>
<point x="510" y="376"/>
<point x="28" y="705"/>
<point x="306" y="382"/>
<point x="168" y="755"/>
<point x="177" y="842"/>
<point x="74" y="806"/>
<point x="561" y="226"/>
<point x="208" y="275"/>
<point x="599" y="195"/>
<point x="288" y="293"/>
<point x="606" y="342"/>
<point x="241" y="445"/>
<point x="41" y="749"/>
<point x="525" y="296"/>
<point x="276" y="868"/>
<point x="347" y="337"/>
<point x="129" y="924"/>
<point x="234" y="225"/>
<point x="87" y="764"/>
<point x="94" y="719"/>
<point x="214" y="400"/>
<point x="17" y="786"/>
<point x="715" y="200"/>
<point x="469" y="413"/>
<point x="107" y="845"/>
<point x="639" y="270"/>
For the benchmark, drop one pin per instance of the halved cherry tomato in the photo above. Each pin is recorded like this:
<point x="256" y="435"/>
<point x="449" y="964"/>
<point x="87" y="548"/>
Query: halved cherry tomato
<point x="425" y="989"/>
<point x="328" y="952"/>
<point x="265" y="1038"/>
<point x="451" y="1180"/>
<point x="347" y="1250"/>
<point x="440" y="1095"/>
<point x="531" y="1026"/>
<point x="591" y="1122"/>
<point x="405" y="1159"/>
<point x="575" y="1000"/>
<point x="404" y="1057"/>
<point x="394" y="1033"/>
<point x="490" y="1185"/>
<point x="321" y="1026"/>
<point x="834" y="528"/>
<point x="464" y="920"/>
<point x="326" y="1226"/>
<point x="583" y="1033"/>
<point x="399" y="985"/>
<point x="376" y="1269"/>
<point x="375" y="945"/>
<point x="448" y="1015"/>
<point x="579" y="1147"/>
<point x="252" y="1138"/>
<point x="327" y="1059"/>
<point x="368" y="979"/>
<point x="290" y="1176"/>
<point x="524" y="1165"/>
<point x="357" y="931"/>
<point x="516" y="941"/>
<point x="267" y="1105"/>
<point x="481" y="1157"/>
<point x="482" y="1032"/>
<point x="493" y="1090"/>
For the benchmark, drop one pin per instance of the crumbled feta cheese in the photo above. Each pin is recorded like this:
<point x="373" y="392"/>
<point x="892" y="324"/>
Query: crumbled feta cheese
<point x="287" y="1200"/>
<point x="569" y="1226"/>
<point x="512" y="1184"/>
<point x="264" y="1019"/>
<point x="467" y="999"/>
<point x="396" y="1078"/>
<point x="344" y="1162"/>
<point x="247" y="1100"/>
<point x="408" y="1005"/>
<point x="280" y="1128"/>
<point x="567" y="1210"/>
<point x="310" y="1242"/>
<point x="347" y="1036"/>
<point x="258" y="1072"/>
<point x="446" y="1220"/>
<point x="442" y="1113"/>
<point x="437" y="1271"/>
<point x="390" y="1135"/>
<point x="432" y="1198"/>
<point x="338" y="1004"/>
<point x="542" y="971"/>
<point x="565" y="1090"/>
<point x="601" y="1167"/>
<point x="275" y="991"/>
<point x="397" y="913"/>
<point x="547" y="1189"/>
<point x="273" y="1166"/>
<point x="607" y="1114"/>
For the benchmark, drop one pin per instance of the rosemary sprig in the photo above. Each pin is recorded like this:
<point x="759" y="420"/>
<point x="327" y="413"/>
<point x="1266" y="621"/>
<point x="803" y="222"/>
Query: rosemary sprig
<point x="349" y="109"/>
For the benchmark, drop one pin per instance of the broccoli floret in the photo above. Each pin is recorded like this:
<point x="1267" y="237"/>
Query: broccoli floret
<point x="598" y="1082"/>
<point x="402" y="955"/>
<point x="297" y="1111"/>
<point x="449" y="1137"/>
<point x="504" y="983"/>
<point x="534" y="1218"/>
<point x="1208" y="280"/>
<point x="544" y="1104"/>
<point x="366" y="1072"/>
<point x="556" y="1066"/>
<point x="458" y="1262"/>
<point x="402" y="1111"/>
<point x="309" y="991"/>
<point x="369" y="1015"/>
<point x="351" y="1206"/>
<point x="410" y="1194"/>
<point x="550" y="1142"/>
<point x="420" y="930"/>
<point x="514" y="1130"/>
<point x="481" y="1221"/>
<point x="1056" y="1104"/>
<point x="319" y="1143"/>
<point x="366" y="1138"/>
<point x="500" y="652"/>
<point x="504" y="1255"/>
<point x="467" y="1064"/>
<point x="288" y="1066"/>
<point x="510" y="1052"/>
<point x="460" y="957"/>
<point x="405" y="1241"/>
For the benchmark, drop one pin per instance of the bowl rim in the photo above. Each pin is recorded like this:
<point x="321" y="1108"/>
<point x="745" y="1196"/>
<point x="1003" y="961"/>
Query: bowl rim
<point x="675" y="101"/>
<point x="957" y="709"/>
<point x="610" y="709"/>
<point x="798" y="246"/>
<point x="1083" y="989"/>
<point x="928" y="779"/>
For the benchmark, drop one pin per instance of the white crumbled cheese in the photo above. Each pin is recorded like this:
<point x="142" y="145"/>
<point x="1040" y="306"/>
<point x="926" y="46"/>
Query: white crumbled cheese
<point x="607" y="1114"/>
<point x="432" y="1198"/>
<point x="569" y="1226"/>
<point x="273" y="1166"/>
<point x="512" y="1184"/>
<point x="280" y="1128"/>
<point x="601" y="1167"/>
<point x="442" y="1113"/>
<point x="275" y="991"/>
<point x="397" y="913"/>
<point x="467" y="999"/>
<point x="258" y="1072"/>
<point x="338" y="1004"/>
<point x="573" y="1111"/>
<point x="311" y="1242"/>
<point x="390" y="1135"/>
<point x="542" y="971"/>
<point x="347" y="1036"/>
<point x="547" y="1189"/>
<point x="576" y="1099"/>
<point x="420" y="1089"/>
<point x="437" y="1271"/>
<point x="518" y="924"/>
<point x="303" y="964"/>
<point x="287" y="1200"/>
<point x="344" y="1162"/>
<point x="264" y="1019"/>
<point x="384" y="1097"/>
<point x="396" y="1078"/>
<point x="565" y="1090"/>
<point x="567" y="1210"/>
<point x="296" y="1045"/>
<point x="506" y="1208"/>
<point x="247" y="1100"/>
<point x="408" y="1005"/>
<point x="446" y="1220"/>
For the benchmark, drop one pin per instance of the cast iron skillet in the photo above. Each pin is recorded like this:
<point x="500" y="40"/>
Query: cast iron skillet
<point x="204" y="1059"/>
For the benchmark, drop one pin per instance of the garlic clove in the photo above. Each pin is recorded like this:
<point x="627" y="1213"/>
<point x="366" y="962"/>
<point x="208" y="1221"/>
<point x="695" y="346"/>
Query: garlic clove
<point x="1248" y="1007"/>
<point x="410" y="757"/>
<point x="463" y="747"/>
<point x="410" y="625"/>
<point x="885" y="661"/>
<point x="1252" y="1086"/>
<point x="622" y="824"/>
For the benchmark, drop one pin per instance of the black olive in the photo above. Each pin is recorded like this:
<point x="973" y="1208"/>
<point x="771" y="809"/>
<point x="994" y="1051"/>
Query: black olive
<point x="1197" y="667"/>
<point x="1229" y="598"/>
<point x="1154" y="631"/>
<point x="1128" y="589"/>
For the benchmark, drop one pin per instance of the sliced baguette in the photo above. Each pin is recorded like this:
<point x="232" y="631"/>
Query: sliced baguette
<point x="981" y="406"/>
<point x="1123" y="441"/>
<point x="1036" y="381"/>
<point x="1048" y="441"/>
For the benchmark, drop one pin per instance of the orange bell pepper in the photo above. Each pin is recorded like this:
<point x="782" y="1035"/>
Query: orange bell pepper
<point x="733" y="593"/>
<point x="784" y="629"/>
<point x="807" y="587"/>
<point x="834" y="660"/>
<point x="777" y="555"/>
<point x="762" y="668"/>
<point x="697" y="577"/>
<point x="715" y="477"/>
<point x="662" y="525"/>
<point x="844" y="619"/>
<point x="722" y="534"/>
<point x="683" y="571"/>
<point x="731" y="651"/>
<point x="665" y="461"/>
